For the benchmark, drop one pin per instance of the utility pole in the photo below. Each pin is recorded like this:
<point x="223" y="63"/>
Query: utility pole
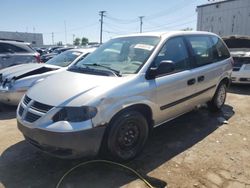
<point x="141" y="17"/>
<point x="73" y="38"/>
<point x="101" y="13"/>
<point x="52" y="35"/>
<point x="34" y="31"/>
<point x="65" y="28"/>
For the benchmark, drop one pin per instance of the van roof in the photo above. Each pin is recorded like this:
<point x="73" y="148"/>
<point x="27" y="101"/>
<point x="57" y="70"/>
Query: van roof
<point x="169" y="33"/>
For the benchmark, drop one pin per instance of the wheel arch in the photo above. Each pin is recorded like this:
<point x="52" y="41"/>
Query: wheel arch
<point x="144" y="109"/>
<point x="226" y="80"/>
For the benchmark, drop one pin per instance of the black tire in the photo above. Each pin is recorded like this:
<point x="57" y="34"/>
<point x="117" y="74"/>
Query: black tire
<point x="219" y="98"/>
<point x="127" y="134"/>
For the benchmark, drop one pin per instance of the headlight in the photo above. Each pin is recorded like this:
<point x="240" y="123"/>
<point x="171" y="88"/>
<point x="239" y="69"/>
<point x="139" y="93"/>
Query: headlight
<point x="75" y="114"/>
<point x="10" y="84"/>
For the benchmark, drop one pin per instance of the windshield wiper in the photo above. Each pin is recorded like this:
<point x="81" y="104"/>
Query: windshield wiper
<point x="117" y="73"/>
<point x="86" y="68"/>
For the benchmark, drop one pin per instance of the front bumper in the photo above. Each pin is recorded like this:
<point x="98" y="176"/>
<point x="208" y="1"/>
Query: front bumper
<point x="11" y="97"/>
<point x="65" y="144"/>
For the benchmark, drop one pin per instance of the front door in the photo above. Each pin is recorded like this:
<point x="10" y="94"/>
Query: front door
<point x="174" y="90"/>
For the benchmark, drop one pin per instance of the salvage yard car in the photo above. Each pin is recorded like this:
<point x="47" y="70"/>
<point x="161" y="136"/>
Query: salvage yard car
<point x="112" y="99"/>
<point x="48" y="56"/>
<point x="16" y="80"/>
<point x="14" y="52"/>
<point x="239" y="47"/>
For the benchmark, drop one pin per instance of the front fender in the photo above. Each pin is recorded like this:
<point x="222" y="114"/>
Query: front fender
<point x="108" y="108"/>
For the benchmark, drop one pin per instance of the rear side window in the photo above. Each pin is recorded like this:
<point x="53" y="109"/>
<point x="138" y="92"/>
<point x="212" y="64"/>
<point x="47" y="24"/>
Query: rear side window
<point x="202" y="49"/>
<point x="9" y="48"/>
<point x="220" y="50"/>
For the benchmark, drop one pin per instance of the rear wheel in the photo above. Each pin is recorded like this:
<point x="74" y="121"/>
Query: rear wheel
<point x="219" y="98"/>
<point x="127" y="135"/>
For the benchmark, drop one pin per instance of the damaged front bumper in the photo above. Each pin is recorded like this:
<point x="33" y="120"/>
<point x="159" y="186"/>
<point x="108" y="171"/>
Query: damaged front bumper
<point x="64" y="144"/>
<point x="11" y="97"/>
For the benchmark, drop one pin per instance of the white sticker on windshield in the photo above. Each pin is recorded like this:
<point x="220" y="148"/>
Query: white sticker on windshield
<point x="76" y="53"/>
<point x="144" y="47"/>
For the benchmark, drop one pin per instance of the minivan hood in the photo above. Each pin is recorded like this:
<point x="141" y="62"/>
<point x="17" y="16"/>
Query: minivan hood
<point x="24" y="70"/>
<point x="64" y="87"/>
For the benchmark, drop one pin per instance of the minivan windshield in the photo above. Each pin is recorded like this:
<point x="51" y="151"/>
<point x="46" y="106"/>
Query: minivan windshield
<point x="124" y="55"/>
<point x="64" y="59"/>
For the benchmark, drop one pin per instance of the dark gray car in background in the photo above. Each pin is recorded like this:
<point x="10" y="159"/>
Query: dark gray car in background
<point x="15" y="53"/>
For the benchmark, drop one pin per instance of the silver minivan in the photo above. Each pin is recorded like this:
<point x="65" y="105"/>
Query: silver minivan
<point x="112" y="99"/>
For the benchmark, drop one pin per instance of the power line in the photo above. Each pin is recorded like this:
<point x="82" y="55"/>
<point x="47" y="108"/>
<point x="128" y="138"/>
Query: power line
<point x="121" y="21"/>
<point x="173" y="26"/>
<point x="119" y="29"/>
<point x="168" y="23"/>
<point x="174" y="9"/>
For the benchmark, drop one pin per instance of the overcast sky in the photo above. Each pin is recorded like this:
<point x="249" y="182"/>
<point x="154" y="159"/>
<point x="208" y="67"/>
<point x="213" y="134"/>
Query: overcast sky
<point x="82" y="18"/>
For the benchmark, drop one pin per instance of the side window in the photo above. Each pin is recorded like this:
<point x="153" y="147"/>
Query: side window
<point x="221" y="51"/>
<point x="13" y="49"/>
<point x="202" y="49"/>
<point x="3" y="48"/>
<point x="174" y="50"/>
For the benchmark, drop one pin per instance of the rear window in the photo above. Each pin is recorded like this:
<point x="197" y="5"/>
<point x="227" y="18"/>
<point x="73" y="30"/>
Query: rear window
<point x="64" y="59"/>
<point x="220" y="50"/>
<point x="237" y="43"/>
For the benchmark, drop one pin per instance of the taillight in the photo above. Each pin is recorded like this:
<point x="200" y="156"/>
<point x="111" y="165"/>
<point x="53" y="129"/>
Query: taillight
<point x="38" y="59"/>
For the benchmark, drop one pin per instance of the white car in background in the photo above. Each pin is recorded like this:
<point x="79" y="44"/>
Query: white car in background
<point x="16" y="80"/>
<point x="239" y="47"/>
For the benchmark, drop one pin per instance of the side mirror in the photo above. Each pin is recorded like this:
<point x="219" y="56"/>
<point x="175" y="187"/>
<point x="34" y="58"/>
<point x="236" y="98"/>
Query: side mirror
<point x="165" y="67"/>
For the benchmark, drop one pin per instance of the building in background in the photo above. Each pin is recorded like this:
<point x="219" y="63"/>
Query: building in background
<point x="229" y="17"/>
<point x="35" y="39"/>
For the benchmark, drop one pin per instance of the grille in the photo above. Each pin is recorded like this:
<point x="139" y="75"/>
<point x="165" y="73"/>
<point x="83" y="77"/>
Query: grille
<point x="41" y="107"/>
<point x="233" y="78"/>
<point x="21" y="109"/>
<point x="30" y="117"/>
<point x="236" y="68"/>
<point x="245" y="79"/>
<point x="26" y="100"/>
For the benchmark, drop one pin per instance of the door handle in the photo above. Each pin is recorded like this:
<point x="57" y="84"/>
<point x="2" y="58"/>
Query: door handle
<point x="191" y="81"/>
<point x="201" y="78"/>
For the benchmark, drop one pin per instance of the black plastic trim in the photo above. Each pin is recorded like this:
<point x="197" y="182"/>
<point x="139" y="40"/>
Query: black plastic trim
<point x="186" y="98"/>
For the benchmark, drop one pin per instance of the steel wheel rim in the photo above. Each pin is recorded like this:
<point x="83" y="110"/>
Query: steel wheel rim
<point x="221" y="96"/>
<point x="128" y="136"/>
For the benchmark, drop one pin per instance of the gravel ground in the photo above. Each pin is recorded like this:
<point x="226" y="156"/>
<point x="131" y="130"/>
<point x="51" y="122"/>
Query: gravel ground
<point x="198" y="149"/>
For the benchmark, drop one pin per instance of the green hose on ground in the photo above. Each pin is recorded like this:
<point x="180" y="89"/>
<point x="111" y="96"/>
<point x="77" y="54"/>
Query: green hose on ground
<point x="107" y="162"/>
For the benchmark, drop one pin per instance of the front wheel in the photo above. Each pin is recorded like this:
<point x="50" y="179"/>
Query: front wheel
<point x="127" y="135"/>
<point x="219" y="98"/>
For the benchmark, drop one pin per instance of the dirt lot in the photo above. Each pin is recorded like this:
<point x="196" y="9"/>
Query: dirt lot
<point x="195" y="150"/>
